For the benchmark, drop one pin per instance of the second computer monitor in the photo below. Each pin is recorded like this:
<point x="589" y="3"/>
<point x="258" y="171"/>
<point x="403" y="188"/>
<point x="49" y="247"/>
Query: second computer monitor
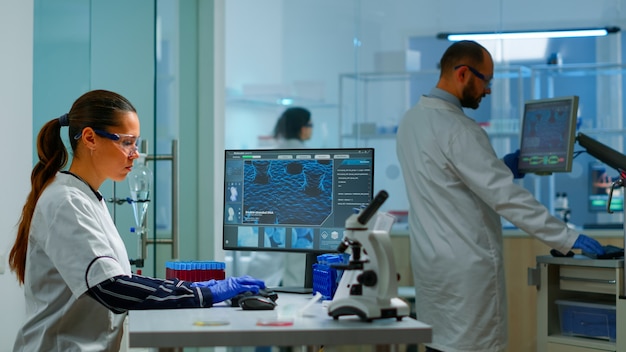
<point x="293" y="200"/>
<point x="601" y="179"/>
<point x="548" y="135"/>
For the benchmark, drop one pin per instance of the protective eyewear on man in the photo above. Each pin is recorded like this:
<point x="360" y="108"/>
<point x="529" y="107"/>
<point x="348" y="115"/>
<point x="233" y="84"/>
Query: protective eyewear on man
<point x="128" y="142"/>
<point x="477" y="74"/>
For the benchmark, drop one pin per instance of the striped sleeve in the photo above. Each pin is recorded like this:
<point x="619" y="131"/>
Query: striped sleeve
<point x="122" y="293"/>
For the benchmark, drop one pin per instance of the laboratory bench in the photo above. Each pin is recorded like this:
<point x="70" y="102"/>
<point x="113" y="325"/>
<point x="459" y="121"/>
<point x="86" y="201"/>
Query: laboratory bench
<point x="286" y="325"/>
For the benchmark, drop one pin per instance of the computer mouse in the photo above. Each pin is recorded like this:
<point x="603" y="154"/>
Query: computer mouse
<point x="256" y="302"/>
<point x="266" y="292"/>
<point x="234" y="302"/>
<point x="558" y="254"/>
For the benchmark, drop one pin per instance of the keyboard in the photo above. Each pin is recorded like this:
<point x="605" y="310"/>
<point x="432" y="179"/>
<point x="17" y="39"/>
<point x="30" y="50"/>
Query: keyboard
<point x="610" y="226"/>
<point x="610" y="252"/>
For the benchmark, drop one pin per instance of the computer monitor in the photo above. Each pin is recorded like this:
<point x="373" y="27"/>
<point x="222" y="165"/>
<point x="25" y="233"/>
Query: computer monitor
<point x="601" y="180"/>
<point x="294" y="200"/>
<point x="548" y="135"/>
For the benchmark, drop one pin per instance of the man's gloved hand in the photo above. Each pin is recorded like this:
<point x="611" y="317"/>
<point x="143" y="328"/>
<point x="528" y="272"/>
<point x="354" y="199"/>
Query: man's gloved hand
<point x="588" y="245"/>
<point x="232" y="286"/>
<point x="511" y="161"/>
<point x="204" y="283"/>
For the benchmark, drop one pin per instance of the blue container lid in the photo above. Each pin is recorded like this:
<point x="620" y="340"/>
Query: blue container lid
<point x="195" y="265"/>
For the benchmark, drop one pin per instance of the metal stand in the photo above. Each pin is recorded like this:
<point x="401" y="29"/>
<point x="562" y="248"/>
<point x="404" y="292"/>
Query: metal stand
<point x="145" y="240"/>
<point x="174" y="240"/>
<point x="616" y="184"/>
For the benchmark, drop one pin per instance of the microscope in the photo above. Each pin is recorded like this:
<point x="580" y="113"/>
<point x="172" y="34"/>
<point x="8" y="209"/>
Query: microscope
<point x="369" y="285"/>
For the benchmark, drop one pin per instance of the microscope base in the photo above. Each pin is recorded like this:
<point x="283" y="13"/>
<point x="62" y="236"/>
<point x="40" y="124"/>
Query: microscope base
<point x="367" y="309"/>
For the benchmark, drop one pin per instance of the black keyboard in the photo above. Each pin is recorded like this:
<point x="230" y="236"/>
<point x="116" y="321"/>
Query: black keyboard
<point x="609" y="226"/>
<point x="610" y="252"/>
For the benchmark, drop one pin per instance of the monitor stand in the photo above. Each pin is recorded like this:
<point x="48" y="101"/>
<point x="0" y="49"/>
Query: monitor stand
<point x="292" y="289"/>
<point x="311" y="258"/>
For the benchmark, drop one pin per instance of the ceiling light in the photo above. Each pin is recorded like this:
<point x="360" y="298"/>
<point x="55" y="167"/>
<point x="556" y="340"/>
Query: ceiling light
<point x="556" y="33"/>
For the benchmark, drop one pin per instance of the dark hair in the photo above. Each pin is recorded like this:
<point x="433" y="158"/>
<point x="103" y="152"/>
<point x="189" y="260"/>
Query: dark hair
<point x="97" y="109"/>
<point x="290" y="123"/>
<point x="465" y="52"/>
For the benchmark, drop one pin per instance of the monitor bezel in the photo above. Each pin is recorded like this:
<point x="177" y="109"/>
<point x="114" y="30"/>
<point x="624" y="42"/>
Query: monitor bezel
<point x="314" y="251"/>
<point x="572" y="101"/>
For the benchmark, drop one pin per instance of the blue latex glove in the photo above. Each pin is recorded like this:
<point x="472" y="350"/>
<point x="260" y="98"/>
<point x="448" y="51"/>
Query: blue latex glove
<point x="232" y="286"/>
<point x="511" y="160"/>
<point x="588" y="245"/>
<point x="204" y="283"/>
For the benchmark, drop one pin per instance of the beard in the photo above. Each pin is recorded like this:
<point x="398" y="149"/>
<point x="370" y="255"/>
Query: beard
<point x="469" y="99"/>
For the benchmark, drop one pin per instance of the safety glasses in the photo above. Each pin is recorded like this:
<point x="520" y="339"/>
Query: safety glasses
<point x="476" y="73"/>
<point x="128" y="142"/>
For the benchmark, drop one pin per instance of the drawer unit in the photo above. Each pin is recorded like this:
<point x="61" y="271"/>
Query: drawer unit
<point x="579" y="304"/>
<point x="588" y="279"/>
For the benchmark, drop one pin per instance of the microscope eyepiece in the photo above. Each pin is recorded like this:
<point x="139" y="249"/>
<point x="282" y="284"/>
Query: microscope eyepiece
<point x="373" y="207"/>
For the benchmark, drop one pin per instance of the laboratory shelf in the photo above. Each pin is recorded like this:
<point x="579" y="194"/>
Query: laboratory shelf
<point x="387" y="76"/>
<point x="603" y="131"/>
<point x="371" y="136"/>
<point x="272" y="100"/>
<point x="581" y="70"/>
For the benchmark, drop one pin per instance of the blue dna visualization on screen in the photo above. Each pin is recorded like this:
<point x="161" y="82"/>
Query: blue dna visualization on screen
<point x="293" y="200"/>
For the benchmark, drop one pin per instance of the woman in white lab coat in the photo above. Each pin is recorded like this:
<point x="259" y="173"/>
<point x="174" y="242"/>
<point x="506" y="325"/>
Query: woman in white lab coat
<point x="458" y="189"/>
<point x="293" y="128"/>
<point x="68" y="254"/>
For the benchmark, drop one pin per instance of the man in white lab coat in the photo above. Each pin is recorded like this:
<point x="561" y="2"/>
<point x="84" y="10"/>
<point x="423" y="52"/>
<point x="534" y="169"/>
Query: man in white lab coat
<point x="458" y="189"/>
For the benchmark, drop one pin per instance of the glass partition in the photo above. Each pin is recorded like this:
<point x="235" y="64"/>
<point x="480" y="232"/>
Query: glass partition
<point x="79" y="48"/>
<point x="368" y="65"/>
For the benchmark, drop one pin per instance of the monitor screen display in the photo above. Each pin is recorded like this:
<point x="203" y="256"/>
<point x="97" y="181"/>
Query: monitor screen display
<point x="293" y="200"/>
<point x="601" y="179"/>
<point x="548" y="135"/>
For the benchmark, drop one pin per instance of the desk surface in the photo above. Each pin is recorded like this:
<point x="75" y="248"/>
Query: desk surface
<point x="581" y="260"/>
<point x="179" y="328"/>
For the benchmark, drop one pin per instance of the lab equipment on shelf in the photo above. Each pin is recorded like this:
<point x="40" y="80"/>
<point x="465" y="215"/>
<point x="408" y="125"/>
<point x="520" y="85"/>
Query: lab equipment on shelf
<point x="561" y="206"/>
